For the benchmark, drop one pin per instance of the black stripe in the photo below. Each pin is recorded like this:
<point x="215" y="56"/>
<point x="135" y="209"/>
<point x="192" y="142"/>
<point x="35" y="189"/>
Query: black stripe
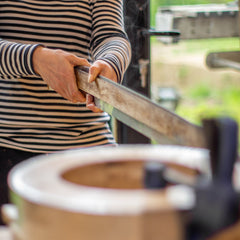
<point x="53" y="21"/>
<point x="46" y="42"/>
<point x="72" y="111"/>
<point x="47" y="28"/>
<point x="62" y="34"/>
<point x="47" y="121"/>
<point x="57" y="147"/>
<point x="43" y="4"/>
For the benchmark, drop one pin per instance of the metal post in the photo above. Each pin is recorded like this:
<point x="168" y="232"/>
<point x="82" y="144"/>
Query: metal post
<point x="137" y="77"/>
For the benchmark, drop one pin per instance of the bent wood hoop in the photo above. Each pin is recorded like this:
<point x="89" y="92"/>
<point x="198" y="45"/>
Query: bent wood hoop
<point x="96" y="194"/>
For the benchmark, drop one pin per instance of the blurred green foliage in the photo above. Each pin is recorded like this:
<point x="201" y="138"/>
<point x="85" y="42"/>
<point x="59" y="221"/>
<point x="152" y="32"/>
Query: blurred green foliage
<point x="208" y="103"/>
<point x="211" y="103"/>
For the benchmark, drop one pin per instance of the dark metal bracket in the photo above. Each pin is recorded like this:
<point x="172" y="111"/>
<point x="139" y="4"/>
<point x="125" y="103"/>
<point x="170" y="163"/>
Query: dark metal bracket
<point x="224" y="60"/>
<point x="153" y="32"/>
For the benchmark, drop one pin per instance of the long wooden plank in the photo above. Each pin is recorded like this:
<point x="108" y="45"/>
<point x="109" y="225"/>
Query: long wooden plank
<point x="140" y="113"/>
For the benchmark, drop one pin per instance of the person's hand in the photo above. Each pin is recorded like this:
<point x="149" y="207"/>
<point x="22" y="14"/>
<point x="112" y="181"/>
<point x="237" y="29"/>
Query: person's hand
<point x="56" y="67"/>
<point x="102" y="68"/>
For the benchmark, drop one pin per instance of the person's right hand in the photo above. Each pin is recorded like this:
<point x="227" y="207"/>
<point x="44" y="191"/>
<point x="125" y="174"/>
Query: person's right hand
<point x="56" y="67"/>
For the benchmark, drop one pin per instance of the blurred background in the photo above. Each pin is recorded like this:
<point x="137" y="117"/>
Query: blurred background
<point x="178" y="65"/>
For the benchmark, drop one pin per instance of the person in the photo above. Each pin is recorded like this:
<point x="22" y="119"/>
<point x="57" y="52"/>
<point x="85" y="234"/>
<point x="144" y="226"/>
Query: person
<point x="41" y="109"/>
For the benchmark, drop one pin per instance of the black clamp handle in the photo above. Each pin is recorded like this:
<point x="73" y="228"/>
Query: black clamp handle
<point x="217" y="203"/>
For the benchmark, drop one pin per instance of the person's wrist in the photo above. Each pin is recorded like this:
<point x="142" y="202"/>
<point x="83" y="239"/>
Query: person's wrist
<point x="37" y="58"/>
<point x="111" y="70"/>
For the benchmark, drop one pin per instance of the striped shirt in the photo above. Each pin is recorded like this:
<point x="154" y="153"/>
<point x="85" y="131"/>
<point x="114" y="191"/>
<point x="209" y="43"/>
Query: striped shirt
<point x="32" y="117"/>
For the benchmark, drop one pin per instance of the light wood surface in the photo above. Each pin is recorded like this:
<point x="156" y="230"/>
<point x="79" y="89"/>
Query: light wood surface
<point x="97" y="194"/>
<point x="5" y="233"/>
<point x="140" y="112"/>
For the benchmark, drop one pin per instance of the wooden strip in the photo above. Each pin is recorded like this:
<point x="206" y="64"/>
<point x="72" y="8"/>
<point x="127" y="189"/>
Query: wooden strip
<point x="141" y="111"/>
<point x="133" y="123"/>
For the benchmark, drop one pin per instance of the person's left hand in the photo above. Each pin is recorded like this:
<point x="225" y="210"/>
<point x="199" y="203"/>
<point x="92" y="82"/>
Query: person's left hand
<point x="102" y="68"/>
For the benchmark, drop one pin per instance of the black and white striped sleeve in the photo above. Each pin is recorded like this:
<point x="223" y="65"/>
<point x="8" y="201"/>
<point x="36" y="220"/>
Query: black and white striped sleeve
<point x="109" y="39"/>
<point x="16" y="59"/>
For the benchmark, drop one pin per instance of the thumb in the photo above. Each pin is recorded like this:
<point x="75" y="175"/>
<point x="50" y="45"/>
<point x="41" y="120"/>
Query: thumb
<point x="75" y="61"/>
<point x="93" y="73"/>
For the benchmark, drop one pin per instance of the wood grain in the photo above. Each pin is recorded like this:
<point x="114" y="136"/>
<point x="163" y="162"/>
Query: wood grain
<point x="140" y="113"/>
